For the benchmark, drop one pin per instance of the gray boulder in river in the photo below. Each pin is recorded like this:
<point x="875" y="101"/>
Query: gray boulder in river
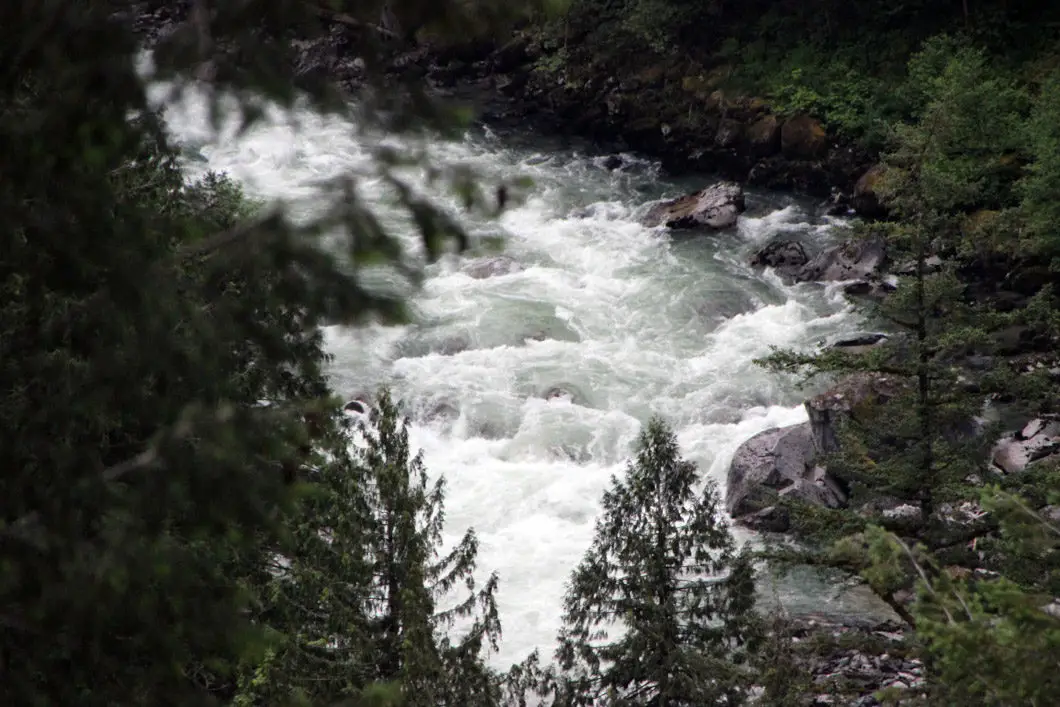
<point x="783" y="461"/>
<point x="716" y="207"/>
<point x="779" y="461"/>
<point x="850" y="260"/>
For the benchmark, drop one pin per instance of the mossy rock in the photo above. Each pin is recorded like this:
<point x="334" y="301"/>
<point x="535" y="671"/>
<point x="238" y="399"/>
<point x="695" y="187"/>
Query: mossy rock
<point x="803" y="137"/>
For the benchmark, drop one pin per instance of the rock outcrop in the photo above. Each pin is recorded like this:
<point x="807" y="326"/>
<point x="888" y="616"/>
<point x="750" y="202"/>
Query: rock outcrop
<point x="865" y="199"/>
<point x="1039" y="439"/>
<point x="779" y="462"/>
<point x="717" y="207"/>
<point x="862" y="261"/>
<point x="784" y="461"/>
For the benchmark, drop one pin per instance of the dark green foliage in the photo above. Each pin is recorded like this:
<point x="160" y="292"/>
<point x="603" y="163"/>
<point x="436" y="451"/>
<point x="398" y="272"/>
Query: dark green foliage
<point x="1042" y="183"/>
<point x="360" y="591"/>
<point x="161" y="382"/>
<point x="664" y="570"/>
<point x="962" y="152"/>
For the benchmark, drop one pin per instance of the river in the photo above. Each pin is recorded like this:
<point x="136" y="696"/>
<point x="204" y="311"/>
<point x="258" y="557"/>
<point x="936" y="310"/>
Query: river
<point x="629" y="321"/>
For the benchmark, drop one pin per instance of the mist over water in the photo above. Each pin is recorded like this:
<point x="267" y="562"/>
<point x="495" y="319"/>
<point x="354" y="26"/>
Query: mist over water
<point x="622" y="321"/>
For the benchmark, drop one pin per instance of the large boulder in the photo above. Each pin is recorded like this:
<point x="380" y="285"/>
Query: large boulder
<point x="716" y="207"/>
<point x="803" y="138"/>
<point x="1038" y="440"/>
<point x="786" y="257"/>
<point x="848" y="398"/>
<point x="779" y="462"/>
<point x="851" y="260"/>
<point x="866" y="200"/>
<point x="763" y="136"/>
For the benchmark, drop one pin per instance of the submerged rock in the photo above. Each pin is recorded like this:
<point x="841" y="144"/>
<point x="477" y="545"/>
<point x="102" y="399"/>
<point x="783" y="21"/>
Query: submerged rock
<point x="779" y="462"/>
<point x="491" y="266"/>
<point x="716" y="207"/>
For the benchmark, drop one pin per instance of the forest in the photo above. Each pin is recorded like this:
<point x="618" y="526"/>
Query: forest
<point x="189" y="516"/>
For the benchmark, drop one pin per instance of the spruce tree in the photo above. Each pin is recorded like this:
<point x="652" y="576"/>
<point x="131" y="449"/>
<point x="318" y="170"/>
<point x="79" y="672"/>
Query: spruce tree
<point x="664" y="570"/>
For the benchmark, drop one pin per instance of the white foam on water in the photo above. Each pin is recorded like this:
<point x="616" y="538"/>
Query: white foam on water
<point x="633" y="324"/>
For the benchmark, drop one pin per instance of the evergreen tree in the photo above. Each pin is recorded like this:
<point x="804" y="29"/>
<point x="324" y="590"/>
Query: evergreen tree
<point x="924" y="445"/>
<point x="359" y="595"/>
<point x="161" y="362"/>
<point x="664" y="569"/>
<point x="411" y="578"/>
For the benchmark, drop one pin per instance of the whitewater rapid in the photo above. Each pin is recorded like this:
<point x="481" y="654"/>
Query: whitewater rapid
<point x="630" y="320"/>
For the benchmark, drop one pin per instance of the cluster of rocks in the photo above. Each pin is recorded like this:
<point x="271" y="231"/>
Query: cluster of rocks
<point x="851" y="662"/>
<point x="853" y="677"/>
<point x="785" y="462"/>
<point x="860" y="263"/>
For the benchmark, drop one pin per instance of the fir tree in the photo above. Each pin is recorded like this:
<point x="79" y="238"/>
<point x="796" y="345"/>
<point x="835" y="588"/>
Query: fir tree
<point x="663" y="569"/>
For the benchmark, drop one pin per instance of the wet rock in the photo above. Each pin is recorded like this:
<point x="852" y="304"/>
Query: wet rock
<point x="491" y="266"/>
<point x="779" y="462"/>
<point x="440" y="410"/>
<point x="359" y="404"/>
<point x="866" y="200"/>
<point x="875" y="289"/>
<point x="716" y="207"/>
<point x="847" y="398"/>
<point x="860" y="343"/>
<point x="803" y="138"/>
<point x="356" y="406"/>
<point x="772" y="519"/>
<point x="729" y="134"/>
<point x="786" y="257"/>
<point x="565" y="392"/>
<point x="511" y="56"/>
<point x="852" y="260"/>
<point x="1039" y="439"/>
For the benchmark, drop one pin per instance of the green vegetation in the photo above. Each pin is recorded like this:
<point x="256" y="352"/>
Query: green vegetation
<point x="183" y="520"/>
<point x="664" y="568"/>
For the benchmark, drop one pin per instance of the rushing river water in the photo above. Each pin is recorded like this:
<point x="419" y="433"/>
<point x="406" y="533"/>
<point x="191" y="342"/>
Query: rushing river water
<point x="629" y="320"/>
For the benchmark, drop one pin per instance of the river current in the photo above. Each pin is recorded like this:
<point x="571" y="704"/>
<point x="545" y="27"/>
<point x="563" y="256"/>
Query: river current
<point x="627" y="321"/>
